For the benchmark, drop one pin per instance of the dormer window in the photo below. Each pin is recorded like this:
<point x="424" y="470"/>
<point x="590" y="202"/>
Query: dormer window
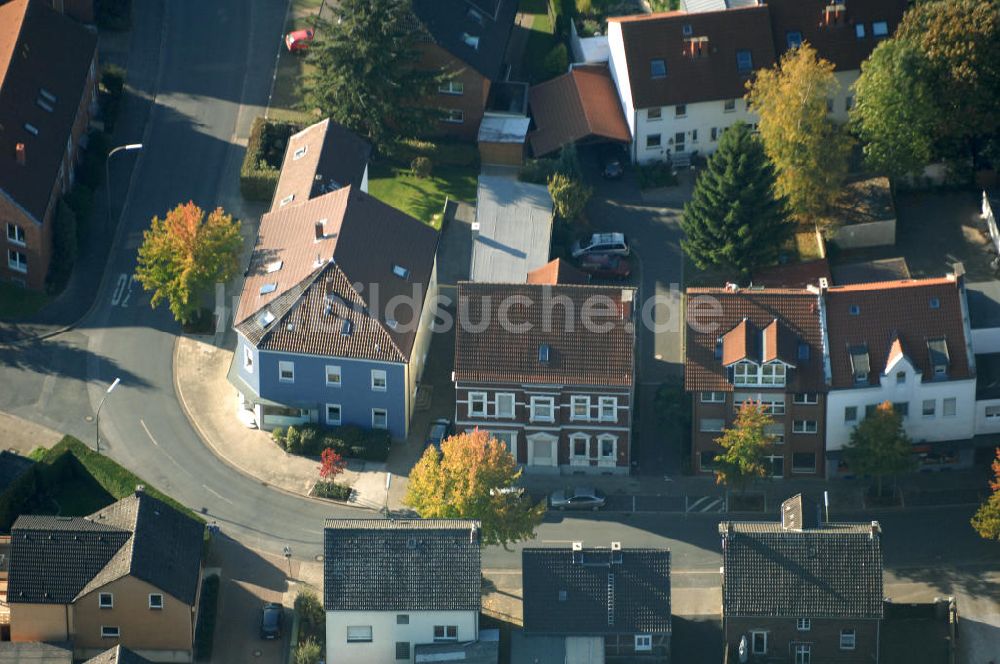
<point x="718" y="348"/>
<point x="793" y="39"/>
<point x="658" y="68"/>
<point x="744" y="61"/>
<point x="834" y="13"/>
<point x="770" y="375"/>
<point x="860" y="363"/>
<point x="472" y="41"/>
<point x="937" y="351"/>
<point x="265" y="319"/>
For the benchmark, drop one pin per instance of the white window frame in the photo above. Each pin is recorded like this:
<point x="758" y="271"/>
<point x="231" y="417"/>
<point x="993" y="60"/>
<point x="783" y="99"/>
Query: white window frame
<point x="853" y="419"/>
<point x="680" y="111"/>
<point x="361" y="634"/>
<point x="539" y="403"/>
<point x="110" y="604"/>
<point x="286" y="366"/>
<point x="18" y="238"/>
<point x="806" y="398"/>
<point x="452" y="87"/>
<point x="340" y="414"/>
<point x="444" y="631"/>
<point x="805" y="428"/>
<point x="106" y="632"/>
<point x="499" y="412"/>
<point x="933" y="408"/>
<point x="848" y="639"/>
<point x="385" y="415"/>
<point x="17" y="260"/>
<point x="650" y="145"/>
<point x="574" y="458"/>
<point x="643" y="642"/>
<point x="574" y="401"/>
<point x="702" y="426"/>
<point x="713" y="397"/>
<point x="334" y="370"/>
<point x="156" y="607"/>
<point x="803" y="653"/>
<point x="753" y="641"/>
<point x="508" y="438"/>
<point x="478" y="398"/>
<point x="954" y="407"/>
<point x="454" y="116"/>
<point x="729" y="106"/>
<point x="991" y="413"/>
<point x="607" y="409"/>
<point x="247" y="358"/>
<point x="377" y="376"/>
<point x="602" y="458"/>
<point x="776" y="431"/>
<point x="803" y="624"/>
<point x="658" y="111"/>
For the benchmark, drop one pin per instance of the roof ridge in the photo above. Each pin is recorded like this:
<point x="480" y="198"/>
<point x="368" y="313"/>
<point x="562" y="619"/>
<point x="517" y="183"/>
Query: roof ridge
<point x="308" y="281"/>
<point x="373" y="315"/>
<point x="893" y="283"/>
<point x="677" y="13"/>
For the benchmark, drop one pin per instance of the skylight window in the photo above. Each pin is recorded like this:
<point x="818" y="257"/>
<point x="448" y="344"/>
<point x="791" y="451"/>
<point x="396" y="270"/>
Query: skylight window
<point x="474" y="15"/>
<point x="803" y="351"/>
<point x="935" y="303"/>
<point x="744" y="61"/>
<point x="265" y="319"/>
<point x="44" y="104"/>
<point x="48" y="96"/>
<point x="793" y="39"/>
<point x="688" y="30"/>
<point x="472" y="41"/>
<point x="880" y="29"/>
<point x="31" y="129"/>
<point x="268" y="288"/>
<point x="301" y="152"/>
<point x="657" y="68"/>
<point x="543" y="353"/>
<point x="287" y="199"/>
<point x="346" y="328"/>
<point x="855" y="310"/>
<point x="274" y="266"/>
<point x="400" y="271"/>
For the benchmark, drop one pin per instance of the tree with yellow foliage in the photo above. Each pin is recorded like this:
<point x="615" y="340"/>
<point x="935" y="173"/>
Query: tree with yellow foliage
<point x="473" y="477"/>
<point x="809" y="151"/>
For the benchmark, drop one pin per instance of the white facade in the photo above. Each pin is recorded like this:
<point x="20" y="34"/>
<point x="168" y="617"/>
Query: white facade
<point x="346" y="631"/>
<point x="935" y="411"/>
<point x="619" y="74"/>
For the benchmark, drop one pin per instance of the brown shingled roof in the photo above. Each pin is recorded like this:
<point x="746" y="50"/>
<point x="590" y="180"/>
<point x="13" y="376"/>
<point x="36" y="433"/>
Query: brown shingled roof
<point x="692" y="79"/>
<point x="576" y="355"/>
<point x="557" y="271"/>
<point x="579" y="105"/>
<point x="837" y="43"/>
<point x="797" y="313"/>
<point x="793" y="275"/>
<point x="891" y="311"/>
<point x="39" y="49"/>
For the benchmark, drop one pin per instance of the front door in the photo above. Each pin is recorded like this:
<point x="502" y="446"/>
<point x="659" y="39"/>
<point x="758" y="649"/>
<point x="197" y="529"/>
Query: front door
<point x="542" y="450"/>
<point x="679" y="141"/>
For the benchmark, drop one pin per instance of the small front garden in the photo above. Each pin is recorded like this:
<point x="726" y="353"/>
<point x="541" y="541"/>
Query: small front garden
<point x="311" y="643"/>
<point x="204" y="636"/>
<point x="262" y="161"/>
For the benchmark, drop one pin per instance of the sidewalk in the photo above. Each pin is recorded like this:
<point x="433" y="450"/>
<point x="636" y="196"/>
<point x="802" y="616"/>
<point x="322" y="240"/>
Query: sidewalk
<point x="23" y="436"/>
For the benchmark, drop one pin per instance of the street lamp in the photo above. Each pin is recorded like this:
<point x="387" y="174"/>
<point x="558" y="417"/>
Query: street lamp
<point x="107" y="173"/>
<point x="97" y="418"/>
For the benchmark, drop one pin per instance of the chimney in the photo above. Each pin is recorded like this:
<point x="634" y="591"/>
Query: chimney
<point x="731" y="287"/>
<point x="475" y="230"/>
<point x="876" y="529"/>
<point x="577" y="553"/>
<point x="627" y="297"/>
<point x="21" y="153"/>
<point x="319" y="231"/>
<point x="473" y="534"/>
<point x="616" y="546"/>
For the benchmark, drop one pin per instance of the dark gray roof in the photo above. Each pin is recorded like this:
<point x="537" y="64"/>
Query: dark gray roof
<point x="32" y="652"/>
<point x="474" y="652"/>
<point x="984" y="304"/>
<point x="834" y="571"/>
<point x="402" y="565"/>
<point x="596" y="591"/>
<point x="448" y="21"/>
<point x="118" y="655"/>
<point x="12" y="466"/>
<point x="54" y="560"/>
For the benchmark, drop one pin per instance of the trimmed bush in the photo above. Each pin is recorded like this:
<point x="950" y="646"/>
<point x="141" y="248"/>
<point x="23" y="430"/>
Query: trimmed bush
<point x="444" y="152"/>
<point x="63" y="249"/>
<point x="347" y="441"/>
<point x="537" y="171"/>
<point x="421" y="167"/>
<point x="262" y="161"/>
<point x="556" y="62"/>
<point x="112" y="87"/>
<point x="656" y="174"/>
<point x="207" y="608"/>
<point x="331" y="490"/>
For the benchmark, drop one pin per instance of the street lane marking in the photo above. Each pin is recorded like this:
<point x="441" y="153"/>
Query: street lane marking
<point x="217" y="494"/>
<point x="146" y="429"/>
<point x="116" y="297"/>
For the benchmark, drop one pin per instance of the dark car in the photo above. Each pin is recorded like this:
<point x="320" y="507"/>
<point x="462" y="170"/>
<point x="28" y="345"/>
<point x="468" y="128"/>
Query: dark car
<point x="579" y="498"/>
<point x="612" y="163"/>
<point x="270" y="621"/>
<point x="606" y="266"/>
<point x="440" y="429"/>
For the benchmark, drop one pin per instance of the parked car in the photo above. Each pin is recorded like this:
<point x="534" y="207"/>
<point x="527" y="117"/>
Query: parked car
<point x="271" y="617"/>
<point x="578" y="498"/>
<point x="606" y="266"/>
<point x="298" y="40"/>
<point x="440" y="429"/>
<point x="612" y="163"/>
<point x="601" y="243"/>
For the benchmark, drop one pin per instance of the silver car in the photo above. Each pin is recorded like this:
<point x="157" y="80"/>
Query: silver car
<point x="578" y="498"/>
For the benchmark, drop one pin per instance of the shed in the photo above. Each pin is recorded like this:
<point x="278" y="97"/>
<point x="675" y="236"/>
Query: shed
<point x="502" y="139"/>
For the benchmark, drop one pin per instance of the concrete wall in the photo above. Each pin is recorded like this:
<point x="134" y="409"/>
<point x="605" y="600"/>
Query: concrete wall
<point x="870" y="234"/>
<point x="168" y="629"/>
<point x="386" y="632"/>
<point x="40" y="622"/>
<point x="823" y="637"/>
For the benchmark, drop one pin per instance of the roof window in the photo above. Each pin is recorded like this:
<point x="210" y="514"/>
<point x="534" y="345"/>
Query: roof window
<point x="346" y="328"/>
<point x="880" y="29"/>
<point x="718" y="348"/>
<point x="860" y="363"/>
<point x="543" y="353"/>
<point x="688" y="30"/>
<point x="744" y="61"/>
<point x="793" y="39"/>
<point x="859" y="30"/>
<point x="274" y="266"/>
<point x="935" y="303"/>
<point x="658" y="68"/>
<point x="803" y="351"/>
<point x="44" y="104"/>
<point x="268" y="288"/>
<point x="31" y="129"/>
<point x="301" y="152"/>
<point x="855" y="310"/>
<point x="475" y="15"/>
<point x="937" y="351"/>
<point x="472" y="41"/>
<point x="265" y="319"/>
<point x="48" y="96"/>
<point x="400" y="271"/>
<point x="287" y="199"/>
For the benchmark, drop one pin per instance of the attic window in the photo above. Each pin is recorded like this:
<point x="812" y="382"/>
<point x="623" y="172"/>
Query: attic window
<point x="411" y="543"/>
<point x="287" y="199"/>
<point x="937" y="350"/>
<point x="880" y="29"/>
<point x="346" y="328"/>
<point x="744" y="61"/>
<point x="687" y="30"/>
<point x="697" y="47"/>
<point x="268" y="288"/>
<point x="543" y="353"/>
<point x="935" y="303"/>
<point x="44" y="104"/>
<point x="855" y="310"/>
<point x="265" y="319"/>
<point x="657" y="68"/>
<point x="301" y="152"/>
<point x="400" y="271"/>
<point x="718" y="348"/>
<point x="803" y="351"/>
<point x="274" y="266"/>
<point x="475" y="16"/>
<point x="472" y="41"/>
<point x="31" y="129"/>
<point x="793" y="39"/>
<point x="563" y="595"/>
<point x="46" y="95"/>
<point x="860" y="365"/>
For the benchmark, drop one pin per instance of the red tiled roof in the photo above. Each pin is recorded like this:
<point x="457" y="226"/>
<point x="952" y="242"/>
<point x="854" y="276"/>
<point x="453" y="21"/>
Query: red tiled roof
<point x="557" y="272"/>
<point x="40" y="49"/>
<point x="692" y="79"/>
<point x="900" y="312"/>
<point x="502" y="353"/>
<point x="747" y="313"/>
<point x="837" y="43"/>
<point x="578" y="105"/>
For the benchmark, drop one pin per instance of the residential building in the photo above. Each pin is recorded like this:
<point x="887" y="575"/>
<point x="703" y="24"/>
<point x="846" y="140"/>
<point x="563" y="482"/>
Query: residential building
<point x="681" y="76"/>
<point x="334" y="321"/>
<point x="319" y="159"/>
<point x="390" y="585"/>
<point x="907" y="342"/>
<point x="467" y="41"/>
<point x="548" y="369"/>
<point x="35" y="652"/>
<point x="47" y="97"/>
<point x="596" y="604"/>
<point x="512" y="231"/>
<point x="117" y="655"/>
<point x="802" y="590"/>
<point x="764" y="345"/>
<point x="127" y="575"/>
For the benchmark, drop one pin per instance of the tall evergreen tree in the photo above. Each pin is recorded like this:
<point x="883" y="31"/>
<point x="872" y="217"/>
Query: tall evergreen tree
<point x="734" y="219"/>
<point x="366" y="77"/>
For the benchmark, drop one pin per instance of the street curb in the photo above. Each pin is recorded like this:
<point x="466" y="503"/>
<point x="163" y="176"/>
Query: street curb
<point x="179" y="393"/>
<point x="147" y="127"/>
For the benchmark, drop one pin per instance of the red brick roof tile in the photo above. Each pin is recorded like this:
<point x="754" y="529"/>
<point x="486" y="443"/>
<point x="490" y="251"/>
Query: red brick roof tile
<point x="557" y="272"/>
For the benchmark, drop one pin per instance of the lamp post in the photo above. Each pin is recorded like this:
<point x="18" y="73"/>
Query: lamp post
<point x="107" y="173"/>
<point x="97" y="417"/>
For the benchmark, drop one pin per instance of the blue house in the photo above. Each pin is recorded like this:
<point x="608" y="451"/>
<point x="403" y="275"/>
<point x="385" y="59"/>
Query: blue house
<point x="334" y="321"/>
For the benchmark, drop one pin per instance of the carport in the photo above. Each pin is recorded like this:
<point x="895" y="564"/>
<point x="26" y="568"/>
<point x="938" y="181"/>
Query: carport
<point x="578" y="107"/>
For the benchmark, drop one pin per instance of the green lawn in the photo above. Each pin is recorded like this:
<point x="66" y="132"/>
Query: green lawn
<point x="79" y="497"/>
<point x="540" y="41"/>
<point x="422" y="198"/>
<point x="17" y="302"/>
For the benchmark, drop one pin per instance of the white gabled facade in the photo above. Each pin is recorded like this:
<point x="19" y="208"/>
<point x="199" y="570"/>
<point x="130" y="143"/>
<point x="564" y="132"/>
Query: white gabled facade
<point x="372" y="637"/>
<point x="619" y="74"/>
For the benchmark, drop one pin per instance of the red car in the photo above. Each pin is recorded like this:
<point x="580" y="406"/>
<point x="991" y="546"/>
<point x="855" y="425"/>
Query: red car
<point x="298" y="40"/>
<point x="606" y="266"/>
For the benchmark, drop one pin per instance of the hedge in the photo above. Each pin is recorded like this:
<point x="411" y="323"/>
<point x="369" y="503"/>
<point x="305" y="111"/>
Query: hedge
<point x="204" y="634"/>
<point x="347" y="441"/>
<point x="331" y="490"/>
<point x="112" y="86"/>
<point x="64" y="240"/>
<point x="262" y="161"/>
<point x="441" y="153"/>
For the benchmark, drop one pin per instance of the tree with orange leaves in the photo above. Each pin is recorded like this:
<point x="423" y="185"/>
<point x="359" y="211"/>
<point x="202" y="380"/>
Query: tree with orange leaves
<point x="473" y="477"/>
<point x="986" y="521"/>
<point x="184" y="254"/>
